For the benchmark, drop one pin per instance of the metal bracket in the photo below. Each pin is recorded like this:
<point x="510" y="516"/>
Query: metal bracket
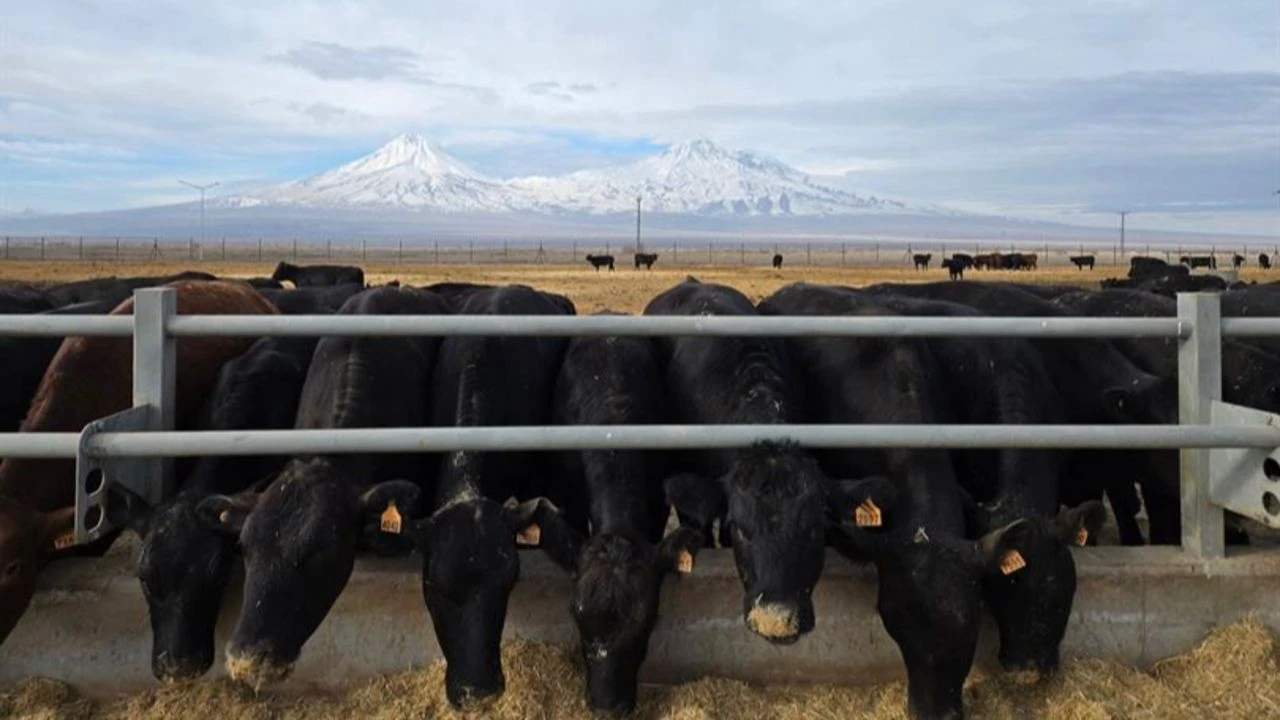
<point x="95" y="475"/>
<point x="1245" y="481"/>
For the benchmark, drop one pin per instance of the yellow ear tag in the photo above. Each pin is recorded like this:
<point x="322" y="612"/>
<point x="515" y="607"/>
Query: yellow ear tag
<point x="867" y="514"/>
<point x="531" y="535"/>
<point x="64" y="540"/>
<point x="391" y="519"/>
<point x="1012" y="562"/>
<point x="684" y="562"/>
<point x="1082" y="536"/>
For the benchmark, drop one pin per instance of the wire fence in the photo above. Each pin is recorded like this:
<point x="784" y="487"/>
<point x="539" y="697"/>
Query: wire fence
<point x="136" y="249"/>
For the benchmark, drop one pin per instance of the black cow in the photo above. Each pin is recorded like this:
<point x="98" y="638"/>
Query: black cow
<point x="1264" y="261"/>
<point x="19" y="299"/>
<point x="646" y="259"/>
<point x="467" y="539"/>
<point x="1195" y="261"/>
<point x="955" y="268"/>
<point x="770" y="496"/>
<point x="1080" y="261"/>
<point x="185" y="564"/>
<point x="777" y="261"/>
<point x="618" y="567"/>
<point x="299" y="536"/>
<point x="599" y="261"/>
<point x="1237" y="260"/>
<point x="313" y="275"/>
<point x="1250" y="377"/>
<point x="25" y="360"/>
<point x="1143" y="267"/>
<point x="921" y="260"/>
<point x="930" y="575"/>
<point x="323" y="298"/>
<point x="263" y="283"/>
<point x="964" y="259"/>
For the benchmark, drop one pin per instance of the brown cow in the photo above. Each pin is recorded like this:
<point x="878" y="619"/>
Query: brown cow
<point x="1029" y="261"/>
<point x="90" y="378"/>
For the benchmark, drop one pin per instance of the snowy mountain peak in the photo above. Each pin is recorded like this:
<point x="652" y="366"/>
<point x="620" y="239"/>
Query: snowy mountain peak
<point x="414" y="151"/>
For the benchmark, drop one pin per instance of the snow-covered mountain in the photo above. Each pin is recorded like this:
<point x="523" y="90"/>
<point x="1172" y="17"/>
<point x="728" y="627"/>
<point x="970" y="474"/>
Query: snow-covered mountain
<point x="408" y="172"/>
<point x="701" y="178"/>
<point x="696" y="177"/>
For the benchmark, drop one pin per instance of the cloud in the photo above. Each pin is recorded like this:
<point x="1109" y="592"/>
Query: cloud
<point x="998" y="101"/>
<point x="331" y="61"/>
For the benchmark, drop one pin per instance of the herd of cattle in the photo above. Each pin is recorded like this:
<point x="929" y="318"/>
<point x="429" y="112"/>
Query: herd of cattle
<point x="951" y="533"/>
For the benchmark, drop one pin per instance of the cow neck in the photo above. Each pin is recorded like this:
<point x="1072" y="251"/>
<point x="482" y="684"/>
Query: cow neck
<point x="615" y="482"/>
<point x="933" y="499"/>
<point x="40" y="483"/>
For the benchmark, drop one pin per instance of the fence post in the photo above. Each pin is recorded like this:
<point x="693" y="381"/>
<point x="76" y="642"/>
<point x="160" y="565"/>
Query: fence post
<point x="81" y="247"/>
<point x="295" y="249"/>
<point x="154" y="359"/>
<point x="364" y="251"/>
<point x="1199" y="384"/>
<point x="41" y="248"/>
<point x="224" y="248"/>
<point x="117" y="249"/>
<point x="6" y="247"/>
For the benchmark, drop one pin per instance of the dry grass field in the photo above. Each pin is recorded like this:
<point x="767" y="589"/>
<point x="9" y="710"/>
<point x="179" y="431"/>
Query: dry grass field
<point x="624" y="290"/>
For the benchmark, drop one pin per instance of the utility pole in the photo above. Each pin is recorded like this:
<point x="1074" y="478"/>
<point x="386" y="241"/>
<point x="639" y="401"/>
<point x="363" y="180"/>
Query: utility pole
<point x="1123" y="213"/>
<point x="639" y="247"/>
<point x="201" y="188"/>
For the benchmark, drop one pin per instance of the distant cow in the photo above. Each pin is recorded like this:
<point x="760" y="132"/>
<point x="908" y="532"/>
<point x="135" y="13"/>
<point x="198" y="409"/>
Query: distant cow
<point x="1148" y="267"/>
<point x="1080" y="261"/>
<point x="1264" y="261"/>
<point x="1237" y="260"/>
<point x="1029" y="261"/>
<point x="1195" y="261"/>
<point x="646" y="259"/>
<point x="777" y="260"/>
<point x="312" y="275"/>
<point x="955" y="267"/>
<point x="966" y="261"/>
<point x="921" y="260"/>
<point x="599" y="261"/>
<point x="986" y="261"/>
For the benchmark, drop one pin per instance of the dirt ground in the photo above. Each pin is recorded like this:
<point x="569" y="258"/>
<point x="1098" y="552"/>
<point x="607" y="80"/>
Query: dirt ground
<point x="625" y="290"/>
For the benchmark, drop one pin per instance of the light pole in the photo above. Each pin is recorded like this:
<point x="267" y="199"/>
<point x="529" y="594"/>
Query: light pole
<point x="1123" y="213"/>
<point x="201" y="188"/>
<point x="639" y="247"/>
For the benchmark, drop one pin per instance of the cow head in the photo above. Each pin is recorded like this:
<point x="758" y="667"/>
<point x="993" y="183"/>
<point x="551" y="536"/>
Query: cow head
<point x="27" y="539"/>
<point x="772" y="501"/>
<point x="298" y="538"/>
<point x="616" y="582"/>
<point x="930" y="600"/>
<point x="284" y="271"/>
<point x="184" y="566"/>
<point x="1031" y="607"/>
<point x="469" y="566"/>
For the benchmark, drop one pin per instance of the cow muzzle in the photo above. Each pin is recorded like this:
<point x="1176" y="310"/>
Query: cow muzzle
<point x="255" y="669"/>
<point x="778" y="622"/>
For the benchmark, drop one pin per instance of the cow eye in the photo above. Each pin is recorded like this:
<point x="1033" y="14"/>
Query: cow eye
<point x="13" y="569"/>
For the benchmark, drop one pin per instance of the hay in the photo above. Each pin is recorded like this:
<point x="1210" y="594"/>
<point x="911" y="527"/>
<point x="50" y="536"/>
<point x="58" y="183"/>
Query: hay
<point x="1234" y="673"/>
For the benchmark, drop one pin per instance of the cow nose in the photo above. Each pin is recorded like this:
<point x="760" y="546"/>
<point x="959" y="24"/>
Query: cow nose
<point x="472" y="698"/>
<point x="777" y="622"/>
<point x="168" y="668"/>
<point x="255" y="667"/>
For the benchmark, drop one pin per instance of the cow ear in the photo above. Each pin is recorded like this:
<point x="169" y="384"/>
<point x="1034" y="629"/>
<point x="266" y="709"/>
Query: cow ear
<point x="861" y="503"/>
<point x="127" y="509"/>
<point x="391" y="507"/>
<point x="698" y="500"/>
<point x="58" y="529"/>
<point x="678" y="549"/>
<point x="227" y="513"/>
<point x="539" y="522"/>
<point x="1081" y="524"/>
<point x="1005" y="550"/>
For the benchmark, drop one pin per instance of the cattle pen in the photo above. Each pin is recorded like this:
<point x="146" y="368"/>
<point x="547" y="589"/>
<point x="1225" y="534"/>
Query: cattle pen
<point x="87" y="625"/>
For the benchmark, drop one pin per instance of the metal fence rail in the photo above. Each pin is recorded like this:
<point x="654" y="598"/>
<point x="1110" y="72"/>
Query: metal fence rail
<point x="155" y="325"/>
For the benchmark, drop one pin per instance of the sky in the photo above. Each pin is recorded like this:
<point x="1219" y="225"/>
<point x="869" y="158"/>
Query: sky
<point x="1169" y="108"/>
